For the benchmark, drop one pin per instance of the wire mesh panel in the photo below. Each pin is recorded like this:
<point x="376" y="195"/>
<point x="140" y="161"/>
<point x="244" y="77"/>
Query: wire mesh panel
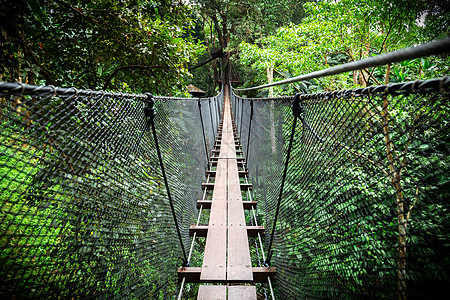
<point x="84" y="209"/>
<point x="220" y="99"/>
<point x="365" y="208"/>
<point x="208" y="124"/>
<point x="180" y="135"/>
<point x="244" y="123"/>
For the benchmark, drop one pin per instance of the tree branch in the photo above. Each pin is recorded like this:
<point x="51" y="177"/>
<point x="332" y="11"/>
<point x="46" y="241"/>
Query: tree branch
<point x="20" y="38"/>
<point x="371" y="76"/>
<point x="356" y="153"/>
<point x="203" y="63"/>
<point x="95" y="22"/>
<point x="130" y="67"/>
<point x="286" y="77"/>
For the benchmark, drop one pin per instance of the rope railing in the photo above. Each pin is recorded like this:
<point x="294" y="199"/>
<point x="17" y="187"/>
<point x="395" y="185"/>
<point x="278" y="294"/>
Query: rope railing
<point x="437" y="47"/>
<point x="98" y="190"/>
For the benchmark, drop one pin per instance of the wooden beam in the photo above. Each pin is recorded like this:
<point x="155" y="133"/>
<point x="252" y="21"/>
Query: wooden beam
<point x="239" y="159"/>
<point x="260" y="274"/>
<point x="202" y="230"/>
<point x="207" y="204"/>
<point x="213" y="173"/>
<point x="238" y="152"/>
<point x="219" y="143"/>
<point x="210" y="186"/>
<point x="219" y="140"/>
<point x="192" y="275"/>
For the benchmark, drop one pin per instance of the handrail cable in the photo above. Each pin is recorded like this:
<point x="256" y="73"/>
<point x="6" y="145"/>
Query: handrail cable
<point x="28" y="89"/>
<point x="428" y="49"/>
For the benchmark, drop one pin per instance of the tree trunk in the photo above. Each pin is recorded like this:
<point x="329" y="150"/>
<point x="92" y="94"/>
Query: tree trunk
<point x="269" y="73"/>
<point x="402" y="222"/>
<point x="355" y="77"/>
<point x="388" y="74"/>
<point x="272" y="126"/>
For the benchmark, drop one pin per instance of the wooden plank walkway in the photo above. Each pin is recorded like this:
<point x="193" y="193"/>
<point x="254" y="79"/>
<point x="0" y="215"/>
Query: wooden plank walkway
<point x="238" y="263"/>
<point x="215" y="257"/>
<point x="227" y="253"/>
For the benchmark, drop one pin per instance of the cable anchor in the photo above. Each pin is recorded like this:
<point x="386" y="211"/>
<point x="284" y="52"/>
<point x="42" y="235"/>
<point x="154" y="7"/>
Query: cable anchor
<point x="149" y="110"/>
<point x="297" y="107"/>
<point x="297" y="110"/>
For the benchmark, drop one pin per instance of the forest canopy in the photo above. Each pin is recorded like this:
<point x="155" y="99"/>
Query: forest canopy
<point x="162" y="46"/>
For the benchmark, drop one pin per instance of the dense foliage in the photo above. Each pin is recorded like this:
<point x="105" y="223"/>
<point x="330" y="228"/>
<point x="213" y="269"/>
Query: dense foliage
<point x="125" y="45"/>
<point x="343" y="31"/>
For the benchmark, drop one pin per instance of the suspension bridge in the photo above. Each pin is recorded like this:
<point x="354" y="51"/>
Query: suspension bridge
<point x="115" y="195"/>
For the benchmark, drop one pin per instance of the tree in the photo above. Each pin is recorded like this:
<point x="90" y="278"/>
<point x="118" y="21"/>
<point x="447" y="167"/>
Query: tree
<point x="337" y="32"/>
<point x="98" y="44"/>
<point x="228" y="22"/>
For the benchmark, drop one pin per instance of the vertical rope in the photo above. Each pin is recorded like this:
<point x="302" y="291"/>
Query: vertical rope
<point x="249" y="131"/>
<point x="242" y="117"/>
<point x="150" y="112"/>
<point x="297" y="110"/>
<point x="203" y="130"/>
<point x="210" y="112"/>
<point x="217" y="101"/>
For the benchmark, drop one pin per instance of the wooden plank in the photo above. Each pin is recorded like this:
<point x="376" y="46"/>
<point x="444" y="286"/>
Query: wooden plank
<point x="192" y="275"/>
<point x="202" y="230"/>
<point x="212" y="292"/>
<point x="239" y="266"/>
<point x="214" y="260"/>
<point x="241" y="292"/>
